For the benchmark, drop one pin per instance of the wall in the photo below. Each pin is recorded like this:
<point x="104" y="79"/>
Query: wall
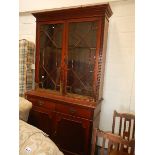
<point x="42" y="5"/>
<point x="27" y="27"/>
<point x="119" y="72"/>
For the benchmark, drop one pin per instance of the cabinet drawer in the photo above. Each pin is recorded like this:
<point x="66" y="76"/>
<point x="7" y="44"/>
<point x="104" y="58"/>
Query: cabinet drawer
<point x="42" y="103"/>
<point x="74" y="110"/>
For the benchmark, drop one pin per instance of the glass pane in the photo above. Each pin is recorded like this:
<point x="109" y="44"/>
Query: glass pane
<point x="50" y="56"/>
<point x="81" y="57"/>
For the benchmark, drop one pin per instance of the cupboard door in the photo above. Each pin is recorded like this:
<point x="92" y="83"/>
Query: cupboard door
<point x="72" y="134"/>
<point x="50" y="54"/>
<point x="41" y="119"/>
<point x="82" y="43"/>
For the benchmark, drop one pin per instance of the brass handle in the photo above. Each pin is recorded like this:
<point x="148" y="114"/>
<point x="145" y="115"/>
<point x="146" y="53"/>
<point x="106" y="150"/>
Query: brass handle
<point x="66" y="61"/>
<point x="40" y="103"/>
<point x="72" y="111"/>
<point x="55" y="133"/>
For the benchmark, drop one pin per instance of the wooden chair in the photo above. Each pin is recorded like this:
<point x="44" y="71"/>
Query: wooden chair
<point x="116" y="143"/>
<point x="126" y="125"/>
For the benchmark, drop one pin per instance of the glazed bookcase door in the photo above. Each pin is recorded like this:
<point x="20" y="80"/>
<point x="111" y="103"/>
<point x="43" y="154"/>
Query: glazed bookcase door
<point x="50" y="53"/>
<point x="82" y="40"/>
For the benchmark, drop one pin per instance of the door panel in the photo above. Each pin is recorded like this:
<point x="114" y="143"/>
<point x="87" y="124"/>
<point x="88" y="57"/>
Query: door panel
<point x="72" y="134"/>
<point x="51" y="39"/>
<point x="40" y="119"/>
<point x="81" y="57"/>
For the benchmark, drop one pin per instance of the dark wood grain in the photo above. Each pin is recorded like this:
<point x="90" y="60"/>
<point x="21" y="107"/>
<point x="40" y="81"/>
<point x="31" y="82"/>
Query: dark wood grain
<point x="80" y="12"/>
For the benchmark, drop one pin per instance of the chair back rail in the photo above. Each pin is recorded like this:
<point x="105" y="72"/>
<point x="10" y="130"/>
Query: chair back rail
<point x="115" y="143"/>
<point x="127" y="132"/>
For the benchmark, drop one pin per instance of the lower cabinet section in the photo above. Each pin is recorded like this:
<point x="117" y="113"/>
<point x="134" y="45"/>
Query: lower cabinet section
<point x="68" y="124"/>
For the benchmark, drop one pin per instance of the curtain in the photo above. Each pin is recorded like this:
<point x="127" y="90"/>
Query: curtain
<point x="26" y="59"/>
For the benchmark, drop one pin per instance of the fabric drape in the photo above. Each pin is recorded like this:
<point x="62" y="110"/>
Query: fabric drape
<point x="26" y="59"/>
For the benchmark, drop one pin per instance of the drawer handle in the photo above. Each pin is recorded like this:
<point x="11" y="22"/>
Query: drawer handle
<point x="40" y="103"/>
<point x="72" y="111"/>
